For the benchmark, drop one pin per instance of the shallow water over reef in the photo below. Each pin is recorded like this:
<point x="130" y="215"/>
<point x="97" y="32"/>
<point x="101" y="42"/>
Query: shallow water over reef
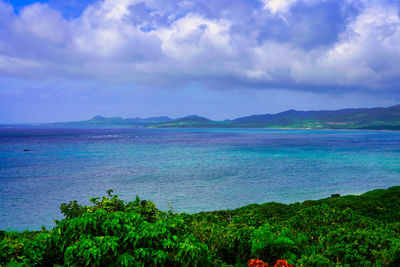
<point x="194" y="169"/>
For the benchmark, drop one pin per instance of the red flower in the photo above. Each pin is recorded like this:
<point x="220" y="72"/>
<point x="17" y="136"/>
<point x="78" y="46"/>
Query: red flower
<point x="257" y="263"/>
<point x="282" y="263"/>
<point x="260" y="263"/>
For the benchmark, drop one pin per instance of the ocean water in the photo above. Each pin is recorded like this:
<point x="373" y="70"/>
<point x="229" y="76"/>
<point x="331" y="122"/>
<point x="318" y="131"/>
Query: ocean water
<point x="191" y="169"/>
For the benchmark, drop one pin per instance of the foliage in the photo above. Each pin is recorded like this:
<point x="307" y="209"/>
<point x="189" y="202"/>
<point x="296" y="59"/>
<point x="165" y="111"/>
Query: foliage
<point x="270" y="245"/>
<point x="109" y="233"/>
<point x="337" y="231"/>
<point x="364" y="118"/>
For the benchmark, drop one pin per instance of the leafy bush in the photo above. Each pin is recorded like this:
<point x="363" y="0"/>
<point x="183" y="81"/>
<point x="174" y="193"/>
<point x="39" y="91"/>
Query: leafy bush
<point x="336" y="231"/>
<point x="109" y="233"/>
<point x="272" y="246"/>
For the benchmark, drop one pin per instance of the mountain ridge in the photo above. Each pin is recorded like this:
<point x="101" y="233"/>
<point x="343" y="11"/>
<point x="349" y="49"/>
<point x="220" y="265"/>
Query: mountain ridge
<point x="115" y="121"/>
<point x="351" y="118"/>
<point x="381" y="118"/>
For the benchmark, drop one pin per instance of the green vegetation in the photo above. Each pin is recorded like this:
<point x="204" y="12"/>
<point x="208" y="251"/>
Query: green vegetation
<point x="192" y="121"/>
<point x="337" y="231"/>
<point x="113" y="121"/>
<point x="363" y="118"/>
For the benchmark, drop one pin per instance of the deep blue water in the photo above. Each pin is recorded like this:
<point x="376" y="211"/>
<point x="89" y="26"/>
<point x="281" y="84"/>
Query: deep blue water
<point x="194" y="169"/>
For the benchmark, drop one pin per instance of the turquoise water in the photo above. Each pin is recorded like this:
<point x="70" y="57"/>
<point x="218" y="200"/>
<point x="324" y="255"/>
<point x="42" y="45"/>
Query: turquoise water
<point x="194" y="169"/>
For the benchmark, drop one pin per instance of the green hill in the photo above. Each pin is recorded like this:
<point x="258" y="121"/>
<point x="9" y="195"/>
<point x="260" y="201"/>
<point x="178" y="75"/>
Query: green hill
<point x="115" y="121"/>
<point x="190" y="121"/>
<point x="363" y="118"/>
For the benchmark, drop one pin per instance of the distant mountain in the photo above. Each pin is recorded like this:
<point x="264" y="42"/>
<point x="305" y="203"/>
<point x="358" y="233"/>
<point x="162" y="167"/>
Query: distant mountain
<point x="189" y="121"/>
<point x="362" y="118"/>
<point x="116" y="121"/>
<point x="192" y="118"/>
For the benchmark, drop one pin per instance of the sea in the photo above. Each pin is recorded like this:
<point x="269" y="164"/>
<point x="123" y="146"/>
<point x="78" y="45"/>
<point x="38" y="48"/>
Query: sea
<point x="186" y="170"/>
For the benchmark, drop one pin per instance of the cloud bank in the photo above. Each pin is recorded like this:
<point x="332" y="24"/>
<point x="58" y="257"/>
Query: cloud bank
<point x="317" y="45"/>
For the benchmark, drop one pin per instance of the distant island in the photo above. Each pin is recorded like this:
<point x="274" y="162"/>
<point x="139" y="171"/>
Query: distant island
<point x="362" y="118"/>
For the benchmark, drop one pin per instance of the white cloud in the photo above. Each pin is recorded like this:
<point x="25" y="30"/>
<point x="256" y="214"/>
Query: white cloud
<point x="103" y="44"/>
<point x="278" y="6"/>
<point x="366" y="54"/>
<point x="194" y="35"/>
<point x="42" y="22"/>
<point x="16" y="67"/>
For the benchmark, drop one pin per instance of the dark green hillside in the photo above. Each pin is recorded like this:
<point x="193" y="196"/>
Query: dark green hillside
<point x="115" y="121"/>
<point x="363" y="118"/>
<point x="191" y="121"/>
<point x="336" y="231"/>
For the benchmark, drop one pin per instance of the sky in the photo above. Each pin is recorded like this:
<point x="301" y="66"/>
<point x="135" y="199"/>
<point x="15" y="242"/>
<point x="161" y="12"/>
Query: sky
<point x="222" y="59"/>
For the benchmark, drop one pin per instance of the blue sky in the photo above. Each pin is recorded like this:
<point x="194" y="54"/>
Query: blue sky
<point x="71" y="60"/>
